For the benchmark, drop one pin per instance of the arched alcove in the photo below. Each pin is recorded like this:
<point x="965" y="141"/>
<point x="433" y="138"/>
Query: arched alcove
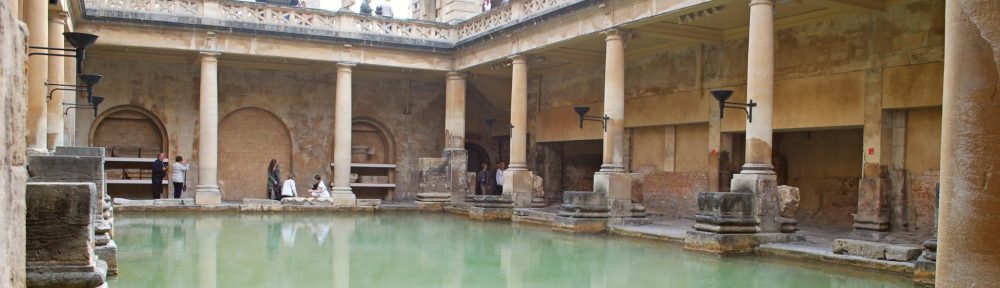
<point x="248" y="139"/>
<point x="373" y="143"/>
<point x="129" y="131"/>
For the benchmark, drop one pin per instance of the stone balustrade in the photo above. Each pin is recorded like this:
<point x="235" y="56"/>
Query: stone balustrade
<point x="304" y="21"/>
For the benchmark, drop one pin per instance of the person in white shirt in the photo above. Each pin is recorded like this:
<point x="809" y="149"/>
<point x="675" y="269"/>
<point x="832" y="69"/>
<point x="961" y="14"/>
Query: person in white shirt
<point x="319" y="189"/>
<point x="179" y="170"/>
<point x="499" y="184"/>
<point x="288" y="188"/>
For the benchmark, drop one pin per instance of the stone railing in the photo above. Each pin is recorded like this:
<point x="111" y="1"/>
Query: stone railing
<point x="297" y="20"/>
<point x="260" y="16"/>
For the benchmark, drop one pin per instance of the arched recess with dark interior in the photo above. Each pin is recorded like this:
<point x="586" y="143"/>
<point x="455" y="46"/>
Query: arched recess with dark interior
<point x="131" y="136"/>
<point x="248" y="139"/>
<point x="372" y="144"/>
<point x="477" y="156"/>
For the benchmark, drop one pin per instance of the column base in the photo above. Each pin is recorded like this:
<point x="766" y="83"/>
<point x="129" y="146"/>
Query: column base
<point x="341" y="199"/>
<point x="458" y="160"/>
<point x="766" y="201"/>
<point x="873" y="209"/>
<point x="207" y="195"/>
<point x="519" y="186"/>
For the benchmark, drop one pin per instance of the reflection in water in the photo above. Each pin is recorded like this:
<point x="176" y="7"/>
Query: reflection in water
<point x="417" y="250"/>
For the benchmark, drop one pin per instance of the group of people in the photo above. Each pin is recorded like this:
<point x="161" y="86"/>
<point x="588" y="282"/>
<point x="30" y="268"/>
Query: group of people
<point x="384" y="9"/>
<point x="178" y="175"/>
<point x="277" y="191"/>
<point x="488" y="4"/>
<point x="483" y="179"/>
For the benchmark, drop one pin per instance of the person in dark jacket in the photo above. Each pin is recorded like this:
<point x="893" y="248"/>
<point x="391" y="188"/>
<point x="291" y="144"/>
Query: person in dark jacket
<point x="273" y="180"/>
<point x="483" y="179"/>
<point x="366" y="7"/>
<point x="159" y="171"/>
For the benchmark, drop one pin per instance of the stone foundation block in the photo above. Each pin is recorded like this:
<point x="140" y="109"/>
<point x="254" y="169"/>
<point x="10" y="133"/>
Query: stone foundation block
<point x="207" y="195"/>
<point x="266" y="205"/>
<point x="518" y="184"/>
<point x="766" y="201"/>
<point x="924" y="272"/>
<point x="109" y="254"/>
<point x="579" y="225"/>
<point x="432" y="206"/>
<point x="60" y="235"/>
<point x="717" y="243"/>
<point x="369" y="202"/>
<point x="490" y="213"/>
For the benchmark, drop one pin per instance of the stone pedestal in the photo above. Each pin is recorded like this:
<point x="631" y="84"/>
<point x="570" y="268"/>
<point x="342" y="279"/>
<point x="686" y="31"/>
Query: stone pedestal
<point x="458" y="162"/>
<point x="923" y="270"/>
<point x="518" y="184"/>
<point x="873" y="207"/>
<point x="726" y="224"/>
<point x="207" y="195"/>
<point x="435" y="183"/>
<point x="618" y="188"/>
<point x="344" y="199"/>
<point x="766" y="201"/>
<point x="492" y="207"/>
<point x="60" y="235"/>
<point x="582" y="211"/>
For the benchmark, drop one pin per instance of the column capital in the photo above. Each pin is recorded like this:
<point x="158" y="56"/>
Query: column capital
<point x="58" y="17"/>
<point x="456" y="75"/>
<point x="346" y="66"/>
<point x="613" y="34"/>
<point x="761" y="2"/>
<point x="207" y="55"/>
<point x="517" y="59"/>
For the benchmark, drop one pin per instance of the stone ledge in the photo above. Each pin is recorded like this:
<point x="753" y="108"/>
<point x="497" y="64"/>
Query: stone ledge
<point x="579" y="225"/>
<point x="490" y="213"/>
<point x="812" y="253"/>
<point x="876" y="250"/>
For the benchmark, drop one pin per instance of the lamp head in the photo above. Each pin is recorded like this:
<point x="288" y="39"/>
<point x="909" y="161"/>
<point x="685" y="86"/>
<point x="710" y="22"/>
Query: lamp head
<point x="95" y="101"/>
<point x="80" y="41"/>
<point x="722" y="95"/>
<point x="581" y="110"/>
<point x="90" y="80"/>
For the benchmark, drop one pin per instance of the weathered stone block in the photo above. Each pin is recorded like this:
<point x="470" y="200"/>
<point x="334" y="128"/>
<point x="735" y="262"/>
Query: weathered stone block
<point x="789" y="197"/>
<point x="434" y="180"/>
<point x="537" y="187"/>
<point x="342" y="199"/>
<point x="60" y="168"/>
<point x="458" y="160"/>
<point x="59" y="224"/>
<point x="725" y="212"/>
<point x="109" y="254"/>
<point x="79" y="151"/>
<point x="764" y="188"/>
<point x="491" y="213"/>
<point x="870" y="250"/>
<point x="717" y="243"/>
<point x="902" y="253"/>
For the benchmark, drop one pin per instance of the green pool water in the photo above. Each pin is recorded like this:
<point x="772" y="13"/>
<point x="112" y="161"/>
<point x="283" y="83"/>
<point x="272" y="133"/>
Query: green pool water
<point x="427" y="250"/>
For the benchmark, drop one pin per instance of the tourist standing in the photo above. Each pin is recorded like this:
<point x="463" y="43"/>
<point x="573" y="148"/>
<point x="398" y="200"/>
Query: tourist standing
<point x="499" y="184"/>
<point x="179" y="170"/>
<point x="319" y="189"/>
<point x="159" y="171"/>
<point x="487" y="5"/>
<point x="483" y="179"/>
<point x="273" y="179"/>
<point x="288" y="188"/>
<point x="386" y="9"/>
<point x="366" y="8"/>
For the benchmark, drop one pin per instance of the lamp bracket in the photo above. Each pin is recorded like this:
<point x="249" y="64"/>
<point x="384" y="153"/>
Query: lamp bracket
<point x="746" y="107"/>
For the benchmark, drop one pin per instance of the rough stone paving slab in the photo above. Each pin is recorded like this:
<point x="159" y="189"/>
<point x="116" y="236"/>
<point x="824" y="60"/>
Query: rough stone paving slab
<point x="819" y="253"/>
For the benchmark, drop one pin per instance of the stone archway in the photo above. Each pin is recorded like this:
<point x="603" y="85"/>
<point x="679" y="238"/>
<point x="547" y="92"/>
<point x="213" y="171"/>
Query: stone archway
<point x="248" y="139"/>
<point x="129" y="131"/>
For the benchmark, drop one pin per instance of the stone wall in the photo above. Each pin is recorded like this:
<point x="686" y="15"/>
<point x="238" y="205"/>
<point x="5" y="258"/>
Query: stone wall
<point x="299" y="100"/>
<point x="824" y="165"/>
<point x="13" y="175"/>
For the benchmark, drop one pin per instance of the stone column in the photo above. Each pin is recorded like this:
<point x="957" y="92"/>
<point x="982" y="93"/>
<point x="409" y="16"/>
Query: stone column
<point x="611" y="179"/>
<point x="454" y="114"/>
<point x="614" y="102"/>
<point x="758" y="175"/>
<point x="454" y="151"/>
<point x="968" y="253"/>
<point x="517" y="178"/>
<point x="518" y="113"/>
<point x="208" y="192"/>
<point x="760" y="88"/>
<point x="36" y="15"/>
<point x="54" y="118"/>
<point x="342" y="195"/>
